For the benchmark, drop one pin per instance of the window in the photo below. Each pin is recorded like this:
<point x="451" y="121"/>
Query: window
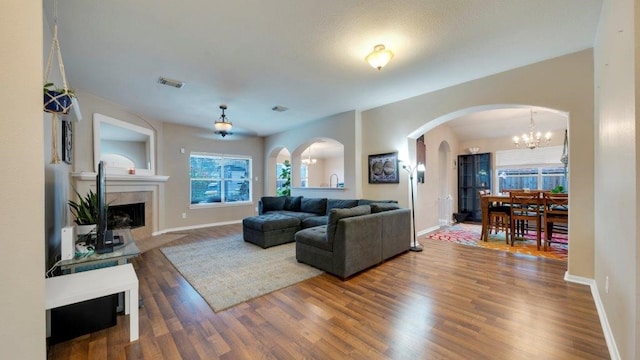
<point x="538" y="178"/>
<point x="219" y="179"/>
<point x="304" y="176"/>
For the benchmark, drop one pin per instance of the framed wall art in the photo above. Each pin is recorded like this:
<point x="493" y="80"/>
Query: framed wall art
<point x="383" y="168"/>
<point x="67" y="141"/>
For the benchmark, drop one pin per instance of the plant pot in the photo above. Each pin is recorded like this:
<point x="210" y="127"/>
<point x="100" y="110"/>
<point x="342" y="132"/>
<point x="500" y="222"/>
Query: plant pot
<point x="82" y="230"/>
<point x="56" y="102"/>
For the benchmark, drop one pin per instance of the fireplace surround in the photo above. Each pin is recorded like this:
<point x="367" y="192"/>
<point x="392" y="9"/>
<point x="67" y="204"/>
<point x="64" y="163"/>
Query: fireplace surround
<point x="131" y="189"/>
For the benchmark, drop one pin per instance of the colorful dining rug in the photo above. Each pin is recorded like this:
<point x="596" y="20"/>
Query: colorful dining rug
<point x="469" y="234"/>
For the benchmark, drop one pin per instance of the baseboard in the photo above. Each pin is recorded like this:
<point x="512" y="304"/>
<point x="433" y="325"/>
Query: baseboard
<point x="604" y="322"/>
<point x="193" y="227"/>
<point x="428" y="230"/>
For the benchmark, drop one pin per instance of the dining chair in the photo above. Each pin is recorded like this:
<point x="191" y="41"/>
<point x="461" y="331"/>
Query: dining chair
<point x="556" y="211"/>
<point x="498" y="216"/>
<point x="525" y="207"/>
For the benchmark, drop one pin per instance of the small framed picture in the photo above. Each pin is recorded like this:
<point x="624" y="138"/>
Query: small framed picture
<point x="67" y="141"/>
<point x="383" y="168"/>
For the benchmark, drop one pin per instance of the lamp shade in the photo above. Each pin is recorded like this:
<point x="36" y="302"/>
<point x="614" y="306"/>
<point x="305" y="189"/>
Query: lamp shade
<point x="379" y="57"/>
<point x="222" y="126"/>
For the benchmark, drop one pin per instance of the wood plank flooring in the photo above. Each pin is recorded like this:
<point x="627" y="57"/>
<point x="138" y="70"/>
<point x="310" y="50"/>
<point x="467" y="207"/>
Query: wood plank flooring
<point x="448" y="302"/>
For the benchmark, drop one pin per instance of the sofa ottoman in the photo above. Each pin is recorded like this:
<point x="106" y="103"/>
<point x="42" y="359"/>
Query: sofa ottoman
<point x="270" y="229"/>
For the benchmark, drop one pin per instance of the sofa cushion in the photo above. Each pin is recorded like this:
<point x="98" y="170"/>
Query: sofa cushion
<point x="270" y="222"/>
<point x="271" y="203"/>
<point x="314" y="236"/>
<point x="292" y="203"/>
<point x="369" y="202"/>
<point x="315" y="221"/>
<point x="337" y="214"/>
<point x="380" y="207"/>
<point x="313" y="205"/>
<point x="340" y="204"/>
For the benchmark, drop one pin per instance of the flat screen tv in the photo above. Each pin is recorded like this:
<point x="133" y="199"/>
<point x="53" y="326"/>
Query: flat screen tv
<point x="104" y="237"/>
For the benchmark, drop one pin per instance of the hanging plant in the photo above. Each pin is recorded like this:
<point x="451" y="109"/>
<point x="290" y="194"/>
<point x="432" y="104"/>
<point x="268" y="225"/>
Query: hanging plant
<point x="57" y="100"/>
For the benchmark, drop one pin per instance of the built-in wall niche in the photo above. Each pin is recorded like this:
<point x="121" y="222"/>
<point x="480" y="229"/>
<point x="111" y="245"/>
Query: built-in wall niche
<point x="125" y="148"/>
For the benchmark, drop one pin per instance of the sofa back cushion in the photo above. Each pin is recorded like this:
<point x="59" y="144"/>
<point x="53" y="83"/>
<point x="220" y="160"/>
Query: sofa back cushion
<point x="292" y="203"/>
<point x="272" y="203"/>
<point x="336" y="214"/>
<point x="380" y="207"/>
<point x="340" y="204"/>
<point x="369" y="202"/>
<point x="313" y="205"/>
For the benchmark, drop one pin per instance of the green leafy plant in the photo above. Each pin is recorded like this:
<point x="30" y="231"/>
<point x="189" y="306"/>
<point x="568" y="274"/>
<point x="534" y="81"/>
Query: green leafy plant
<point x="558" y="189"/>
<point x="86" y="209"/>
<point x="51" y="87"/>
<point x="285" y="175"/>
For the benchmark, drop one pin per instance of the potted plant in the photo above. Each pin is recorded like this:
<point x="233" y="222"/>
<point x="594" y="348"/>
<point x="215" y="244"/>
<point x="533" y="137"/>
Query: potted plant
<point x="57" y="100"/>
<point x="285" y="175"/>
<point x="85" y="212"/>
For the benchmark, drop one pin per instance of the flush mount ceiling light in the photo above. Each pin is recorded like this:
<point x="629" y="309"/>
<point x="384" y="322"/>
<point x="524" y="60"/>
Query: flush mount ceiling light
<point x="379" y="57"/>
<point x="170" y="82"/>
<point x="532" y="139"/>
<point x="222" y="125"/>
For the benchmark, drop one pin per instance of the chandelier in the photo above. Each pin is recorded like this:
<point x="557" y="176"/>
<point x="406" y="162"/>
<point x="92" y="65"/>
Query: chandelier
<point x="532" y="139"/>
<point x="379" y="57"/>
<point x="308" y="160"/>
<point x="222" y="125"/>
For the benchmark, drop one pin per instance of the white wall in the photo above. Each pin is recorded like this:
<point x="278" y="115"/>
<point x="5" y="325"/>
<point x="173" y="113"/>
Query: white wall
<point x="22" y="328"/>
<point x="564" y="84"/>
<point x="343" y="128"/>
<point x="616" y="164"/>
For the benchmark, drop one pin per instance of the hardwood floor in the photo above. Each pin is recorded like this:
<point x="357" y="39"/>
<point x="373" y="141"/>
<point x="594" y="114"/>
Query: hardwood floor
<point x="448" y="302"/>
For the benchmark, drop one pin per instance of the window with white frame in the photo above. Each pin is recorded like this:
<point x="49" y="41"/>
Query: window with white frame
<point x="304" y="176"/>
<point x="219" y="178"/>
<point x="537" y="169"/>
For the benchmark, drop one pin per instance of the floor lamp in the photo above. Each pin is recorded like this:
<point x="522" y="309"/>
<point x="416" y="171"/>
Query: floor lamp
<point x="420" y="168"/>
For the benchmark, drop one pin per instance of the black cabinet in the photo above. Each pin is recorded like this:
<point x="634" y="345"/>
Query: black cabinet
<point x="474" y="174"/>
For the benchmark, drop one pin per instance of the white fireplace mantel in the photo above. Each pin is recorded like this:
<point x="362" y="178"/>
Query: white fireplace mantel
<point x="91" y="176"/>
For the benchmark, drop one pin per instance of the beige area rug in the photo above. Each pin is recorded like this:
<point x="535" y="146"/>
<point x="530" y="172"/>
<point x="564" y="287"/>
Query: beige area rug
<point x="229" y="271"/>
<point x="153" y="242"/>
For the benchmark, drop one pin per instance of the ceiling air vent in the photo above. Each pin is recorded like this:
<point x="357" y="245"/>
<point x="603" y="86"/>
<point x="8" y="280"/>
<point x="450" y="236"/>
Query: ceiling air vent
<point x="279" y="108"/>
<point x="170" y="82"/>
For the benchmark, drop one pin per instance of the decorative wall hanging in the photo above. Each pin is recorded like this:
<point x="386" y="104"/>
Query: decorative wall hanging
<point x="383" y="169"/>
<point x="67" y="141"/>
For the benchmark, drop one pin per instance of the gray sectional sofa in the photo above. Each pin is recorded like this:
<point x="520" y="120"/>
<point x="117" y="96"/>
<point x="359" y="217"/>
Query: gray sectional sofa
<point x="341" y="237"/>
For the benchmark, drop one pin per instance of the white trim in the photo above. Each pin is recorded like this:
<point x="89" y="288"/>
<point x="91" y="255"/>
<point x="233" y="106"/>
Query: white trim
<point x="428" y="230"/>
<point x="604" y="322"/>
<point x="193" y="227"/>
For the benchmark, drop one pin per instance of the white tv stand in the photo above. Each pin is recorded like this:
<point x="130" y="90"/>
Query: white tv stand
<point x="74" y="288"/>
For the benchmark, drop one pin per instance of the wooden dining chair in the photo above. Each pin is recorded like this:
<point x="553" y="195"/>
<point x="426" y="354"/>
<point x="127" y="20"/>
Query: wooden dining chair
<point x="526" y="207"/>
<point x="498" y="216"/>
<point x="556" y="211"/>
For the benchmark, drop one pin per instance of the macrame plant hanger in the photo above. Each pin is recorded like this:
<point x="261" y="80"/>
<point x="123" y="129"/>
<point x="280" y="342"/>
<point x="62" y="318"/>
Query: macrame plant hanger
<point x="55" y="47"/>
<point x="565" y="156"/>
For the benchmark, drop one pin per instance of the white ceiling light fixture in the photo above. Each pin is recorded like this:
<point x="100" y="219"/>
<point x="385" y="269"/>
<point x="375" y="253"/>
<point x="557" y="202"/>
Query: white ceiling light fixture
<point x="532" y="139"/>
<point x="308" y="160"/>
<point x="379" y="57"/>
<point x="222" y="125"/>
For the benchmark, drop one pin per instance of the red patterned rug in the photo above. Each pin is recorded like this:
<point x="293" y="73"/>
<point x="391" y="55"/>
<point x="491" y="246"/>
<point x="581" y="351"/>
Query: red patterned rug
<point x="469" y="234"/>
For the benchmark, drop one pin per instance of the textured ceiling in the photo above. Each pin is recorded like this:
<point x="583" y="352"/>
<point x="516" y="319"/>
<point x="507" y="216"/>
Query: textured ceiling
<point x="304" y="55"/>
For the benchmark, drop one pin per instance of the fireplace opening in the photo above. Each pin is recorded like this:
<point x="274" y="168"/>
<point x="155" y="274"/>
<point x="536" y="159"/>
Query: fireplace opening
<point x="129" y="216"/>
